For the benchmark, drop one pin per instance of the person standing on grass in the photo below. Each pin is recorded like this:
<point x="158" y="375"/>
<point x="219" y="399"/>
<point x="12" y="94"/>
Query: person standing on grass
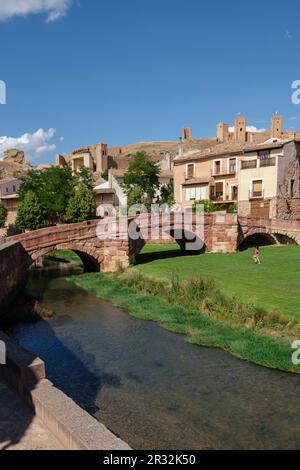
<point x="256" y="255"/>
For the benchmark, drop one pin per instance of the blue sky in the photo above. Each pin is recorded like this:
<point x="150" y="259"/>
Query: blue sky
<point x="123" y="71"/>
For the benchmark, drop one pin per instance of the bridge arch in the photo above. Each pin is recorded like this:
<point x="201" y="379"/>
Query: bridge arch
<point x="264" y="236"/>
<point x="90" y="258"/>
<point x="188" y="241"/>
<point x="258" y="238"/>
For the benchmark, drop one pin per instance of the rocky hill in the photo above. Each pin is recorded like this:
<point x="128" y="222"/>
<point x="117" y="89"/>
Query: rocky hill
<point x="13" y="164"/>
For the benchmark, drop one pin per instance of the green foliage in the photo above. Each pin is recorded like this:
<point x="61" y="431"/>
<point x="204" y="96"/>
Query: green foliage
<point x="57" y="191"/>
<point x="31" y="215"/>
<point x="104" y="175"/>
<point x="3" y="215"/>
<point x="81" y="206"/>
<point x="232" y="209"/>
<point x="167" y="194"/>
<point x="209" y="206"/>
<point x="84" y="176"/>
<point x="52" y="188"/>
<point x="141" y="179"/>
<point x="135" y="196"/>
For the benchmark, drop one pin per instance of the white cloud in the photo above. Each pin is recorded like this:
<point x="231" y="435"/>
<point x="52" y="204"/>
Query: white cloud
<point x="250" y="129"/>
<point x="54" y="9"/>
<point x="34" y="145"/>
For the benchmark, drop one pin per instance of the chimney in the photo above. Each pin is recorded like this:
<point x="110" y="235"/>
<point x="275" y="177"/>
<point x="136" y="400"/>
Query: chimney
<point x="240" y="133"/>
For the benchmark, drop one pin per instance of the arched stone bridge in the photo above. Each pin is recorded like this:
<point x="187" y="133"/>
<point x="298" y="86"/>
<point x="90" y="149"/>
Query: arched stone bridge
<point x="278" y="230"/>
<point x="221" y="233"/>
<point x="108" y="253"/>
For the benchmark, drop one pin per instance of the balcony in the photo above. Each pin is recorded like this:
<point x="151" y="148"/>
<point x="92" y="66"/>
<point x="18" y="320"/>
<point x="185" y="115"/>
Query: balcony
<point x="231" y="171"/>
<point x="268" y="162"/>
<point x="256" y="194"/>
<point x="219" y="197"/>
<point x="249" y="165"/>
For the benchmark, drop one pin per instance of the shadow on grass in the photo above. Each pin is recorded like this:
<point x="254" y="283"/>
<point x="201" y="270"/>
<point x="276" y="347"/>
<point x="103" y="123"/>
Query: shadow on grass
<point x="145" y="258"/>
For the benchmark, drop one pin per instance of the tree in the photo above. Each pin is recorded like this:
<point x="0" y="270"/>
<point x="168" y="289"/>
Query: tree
<point x="81" y="206"/>
<point x="167" y="194"/>
<point x="30" y="215"/>
<point x="53" y="189"/>
<point x="135" y="196"/>
<point x="3" y="215"/>
<point x="141" y="179"/>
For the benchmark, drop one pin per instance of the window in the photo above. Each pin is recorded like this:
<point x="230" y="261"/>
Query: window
<point x="217" y="169"/>
<point x="234" y="192"/>
<point x="220" y="191"/>
<point x="257" y="188"/>
<point x="196" y="193"/>
<point x="232" y="165"/>
<point x="14" y="188"/>
<point x="190" y="170"/>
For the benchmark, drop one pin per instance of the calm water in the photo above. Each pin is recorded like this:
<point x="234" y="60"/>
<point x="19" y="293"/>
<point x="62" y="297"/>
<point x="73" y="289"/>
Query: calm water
<point x="151" y="387"/>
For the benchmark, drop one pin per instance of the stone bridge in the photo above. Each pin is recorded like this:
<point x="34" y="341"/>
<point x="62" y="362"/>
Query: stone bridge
<point x="218" y="233"/>
<point x="100" y="251"/>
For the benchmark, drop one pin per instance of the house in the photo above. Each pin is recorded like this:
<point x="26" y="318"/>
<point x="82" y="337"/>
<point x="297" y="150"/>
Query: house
<point x="269" y="180"/>
<point x="211" y="174"/>
<point x="9" y="197"/>
<point x="259" y="171"/>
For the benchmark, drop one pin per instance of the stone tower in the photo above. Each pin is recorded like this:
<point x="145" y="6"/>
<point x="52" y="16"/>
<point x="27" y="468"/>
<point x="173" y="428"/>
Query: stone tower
<point x="101" y="157"/>
<point x="222" y="132"/>
<point x="276" y="126"/>
<point x="240" y="132"/>
<point x="187" y="135"/>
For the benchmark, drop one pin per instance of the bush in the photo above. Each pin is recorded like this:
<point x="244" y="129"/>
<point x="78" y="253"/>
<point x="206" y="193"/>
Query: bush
<point x="209" y="206"/>
<point x="203" y="295"/>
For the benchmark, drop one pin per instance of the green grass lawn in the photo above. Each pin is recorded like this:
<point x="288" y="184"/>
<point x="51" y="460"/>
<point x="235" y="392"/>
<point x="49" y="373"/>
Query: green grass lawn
<point x="275" y="284"/>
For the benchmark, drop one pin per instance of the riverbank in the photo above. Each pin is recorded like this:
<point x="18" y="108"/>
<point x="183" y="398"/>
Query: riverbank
<point x="268" y="346"/>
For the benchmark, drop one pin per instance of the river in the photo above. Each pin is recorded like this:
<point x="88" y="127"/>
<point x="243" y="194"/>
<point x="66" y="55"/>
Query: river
<point x="151" y="387"/>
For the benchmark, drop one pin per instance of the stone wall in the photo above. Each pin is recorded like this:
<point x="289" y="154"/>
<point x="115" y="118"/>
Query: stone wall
<point x="224" y="233"/>
<point x="14" y="262"/>
<point x="288" y="208"/>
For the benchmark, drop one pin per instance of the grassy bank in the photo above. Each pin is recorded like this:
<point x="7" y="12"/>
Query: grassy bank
<point x="161" y="302"/>
<point x="273" y="285"/>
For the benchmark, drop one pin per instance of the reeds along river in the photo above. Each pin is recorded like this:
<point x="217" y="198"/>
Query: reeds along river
<point x="151" y="387"/>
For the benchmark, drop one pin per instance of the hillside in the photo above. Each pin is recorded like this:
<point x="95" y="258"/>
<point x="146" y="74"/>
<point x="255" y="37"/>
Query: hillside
<point x="157" y="148"/>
